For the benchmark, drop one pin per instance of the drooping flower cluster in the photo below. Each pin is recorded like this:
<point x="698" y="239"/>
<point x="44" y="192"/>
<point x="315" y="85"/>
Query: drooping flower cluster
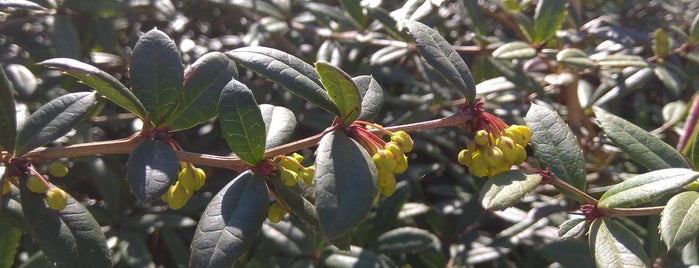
<point x="291" y="169"/>
<point x="189" y="180"/>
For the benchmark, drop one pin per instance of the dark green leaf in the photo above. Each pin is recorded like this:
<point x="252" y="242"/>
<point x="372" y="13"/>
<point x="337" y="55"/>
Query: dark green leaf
<point x="442" y="56"/>
<point x="355" y="11"/>
<point x="280" y="123"/>
<point x="555" y="146"/>
<point x="548" y="19"/>
<point x="506" y="189"/>
<point x="20" y="4"/>
<point x="387" y="22"/>
<point x="8" y="119"/>
<point x="345" y="184"/>
<point x="355" y="257"/>
<point x="156" y="74"/>
<point x="572" y="228"/>
<point x="661" y="43"/>
<point x="287" y="70"/>
<point x="478" y="19"/>
<point x="613" y="245"/>
<point x="151" y="168"/>
<point x="342" y="90"/>
<point x="641" y="146"/>
<point x="204" y="81"/>
<point x="525" y="24"/>
<point x="569" y="253"/>
<point x="621" y="61"/>
<point x="23" y="80"/>
<point x="9" y="241"/>
<point x="574" y="58"/>
<point x="134" y="249"/>
<point x="230" y="222"/>
<point x="694" y="31"/>
<point x="70" y="237"/>
<point x="388" y="209"/>
<point x="515" y="74"/>
<point x="679" y="222"/>
<point x="53" y="120"/>
<point x="65" y="37"/>
<point x="160" y="220"/>
<point x="372" y="96"/>
<point x="515" y="50"/>
<point x="405" y="239"/>
<point x="11" y="209"/>
<point x="242" y="123"/>
<point x="100" y="81"/>
<point x="175" y="246"/>
<point x="647" y="187"/>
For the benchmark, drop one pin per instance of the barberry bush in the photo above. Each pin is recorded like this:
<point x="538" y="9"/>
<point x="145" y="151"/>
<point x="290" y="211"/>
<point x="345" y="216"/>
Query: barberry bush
<point x="349" y="133"/>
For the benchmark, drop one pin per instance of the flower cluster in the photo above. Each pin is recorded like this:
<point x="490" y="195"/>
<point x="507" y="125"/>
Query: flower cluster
<point x="291" y="169"/>
<point x="490" y="153"/>
<point x="56" y="198"/>
<point x="276" y="212"/>
<point x="189" y="180"/>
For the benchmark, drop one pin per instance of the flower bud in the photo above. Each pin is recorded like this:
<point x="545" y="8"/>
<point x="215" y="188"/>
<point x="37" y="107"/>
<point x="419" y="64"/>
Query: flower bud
<point x="493" y="157"/>
<point x="200" y="178"/>
<point x="179" y="196"/>
<point x="290" y="163"/>
<point x="186" y="178"/>
<point x="384" y="160"/>
<point x="58" y="169"/>
<point x="465" y="157"/>
<point x="478" y="166"/>
<point x="36" y="184"/>
<point x="297" y="157"/>
<point x="521" y="154"/>
<point x="387" y="183"/>
<point x="507" y="146"/>
<point x="394" y="148"/>
<point x="307" y="175"/>
<point x="275" y="213"/>
<point x="56" y="199"/>
<point x="401" y="164"/>
<point x="289" y="178"/>
<point x="404" y="140"/>
<point x="524" y="132"/>
<point x="482" y="138"/>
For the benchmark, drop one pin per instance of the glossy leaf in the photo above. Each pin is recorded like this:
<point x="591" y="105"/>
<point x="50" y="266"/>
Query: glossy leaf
<point x="661" y="43"/>
<point x="621" y="61"/>
<point x="53" y="120"/>
<point x="65" y="37"/>
<point x="555" y="146"/>
<point x="156" y="74"/>
<point x="342" y="90"/>
<point x="405" y="239"/>
<point x="9" y="241"/>
<point x="441" y="55"/>
<point x="345" y="186"/>
<point x="22" y="79"/>
<point x="694" y="31"/>
<point x="230" y="222"/>
<point x="574" y="58"/>
<point x="572" y="228"/>
<point x="647" y="187"/>
<point x="150" y="170"/>
<point x="515" y="50"/>
<point x="568" y="253"/>
<point x="280" y="123"/>
<point x="204" y="81"/>
<point x="679" y="222"/>
<point x="241" y="122"/>
<point x="641" y="146"/>
<point x="100" y="81"/>
<point x="287" y="70"/>
<point x="515" y="74"/>
<point x="8" y="119"/>
<point x="11" y="209"/>
<point x="507" y="189"/>
<point x="548" y="18"/>
<point x="25" y="4"/>
<point x="613" y="245"/>
<point x="134" y="248"/>
<point x="372" y="96"/>
<point x="70" y="237"/>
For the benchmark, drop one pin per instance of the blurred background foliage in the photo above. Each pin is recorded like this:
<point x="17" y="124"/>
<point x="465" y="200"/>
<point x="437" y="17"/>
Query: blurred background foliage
<point x="434" y="219"/>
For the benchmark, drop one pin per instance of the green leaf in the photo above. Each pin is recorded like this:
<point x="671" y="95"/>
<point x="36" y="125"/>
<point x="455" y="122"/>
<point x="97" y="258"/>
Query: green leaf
<point x="372" y="96"/>
<point x="151" y="168"/>
<point x="356" y="12"/>
<point x="70" y="237"/>
<point x="388" y="209"/>
<point x="672" y="81"/>
<point x="230" y="222"/>
<point x="515" y="74"/>
<point x="572" y="228"/>
<point x="568" y="253"/>
<point x="621" y="61"/>
<point x="204" y="80"/>
<point x="355" y="257"/>
<point x="647" y="187"/>
<point x="11" y="209"/>
<point x="287" y="70"/>
<point x="405" y="239"/>
<point x="134" y="249"/>
<point x="280" y="123"/>
<point x="679" y="222"/>
<point x="641" y="146"/>
<point x="575" y="58"/>
<point x="478" y="19"/>
<point x="65" y="37"/>
<point x="515" y="50"/>
<point x="441" y="55"/>
<point x="100" y="81"/>
<point x="548" y="19"/>
<point x="507" y="189"/>
<point x="8" y="113"/>
<point x="345" y="184"/>
<point x="9" y="241"/>
<point x="20" y="4"/>
<point x="694" y="31"/>
<point x="661" y="43"/>
<point x="241" y="122"/>
<point x="555" y="146"/>
<point x="613" y="245"/>
<point x="342" y="90"/>
<point x="156" y="75"/>
<point x="53" y="120"/>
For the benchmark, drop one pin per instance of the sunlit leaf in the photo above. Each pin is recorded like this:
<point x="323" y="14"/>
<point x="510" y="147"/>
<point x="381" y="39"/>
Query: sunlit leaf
<point x="621" y="61"/>
<point x="647" y="187"/>
<point x="506" y="189"/>
<point x="515" y="50"/>
<point x="548" y="18"/>
<point x="575" y="58"/>
<point x="572" y="228"/>
<point x="8" y="119"/>
<point x="661" y="43"/>
<point x="354" y="257"/>
<point x="679" y="222"/>
<point x="405" y="239"/>
<point x="372" y="96"/>
<point x="151" y="168"/>
<point x="694" y="31"/>
<point x="25" y="4"/>
<point x="9" y="241"/>
<point x="280" y="123"/>
<point x="241" y="122"/>
<point x="671" y="80"/>
<point x="613" y="245"/>
<point x="342" y="90"/>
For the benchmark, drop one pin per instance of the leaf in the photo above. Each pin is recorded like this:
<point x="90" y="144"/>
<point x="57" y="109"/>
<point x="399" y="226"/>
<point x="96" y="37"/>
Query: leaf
<point x="661" y="43"/>
<point x="572" y="228"/>
<point x="204" y="81"/>
<point x="230" y="222"/>
<point x="671" y="80"/>
<point x="478" y="21"/>
<point x="613" y="245"/>
<point x="70" y="237"/>
<point x="342" y="90"/>
<point x="241" y="122"/>
<point x="9" y="241"/>
<point x="568" y="253"/>
<point x="679" y="222"/>
<point x="647" y="187"/>
<point x="5" y="4"/>
<point x="65" y="37"/>
<point x="8" y="114"/>
<point x="548" y="19"/>
<point x="641" y="146"/>
<point x="575" y="58"/>
<point x="135" y="250"/>
<point x="151" y="168"/>
<point x="441" y="55"/>
<point x="515" y="74"/>
<point x="53" y="120"/>
<point x="507" y="189"/>
<point x="11" y="209"/>
<point x="372" y="96"/>
<point x="405" y="239"/>
<point x="621" y="61"/>
<point x="355" y="10"/>
<point x="694" y="31"/>
<point x="515" y="50"/>
<point x="156" y="74"/>
<point x="354" y="257"/>
<point x="100" y="81"/>
<point x="285" y="69"/>
<point x="555" y="146"/>
<point x="387" y="210"/>
<point x="280" y="123"/>
<point x="345" y="184"/>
